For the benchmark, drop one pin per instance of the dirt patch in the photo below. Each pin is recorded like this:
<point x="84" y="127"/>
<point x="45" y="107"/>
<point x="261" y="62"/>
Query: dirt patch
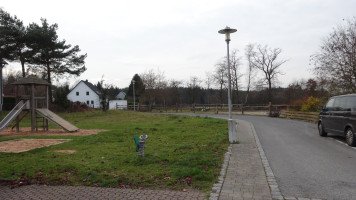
<point x="27" y="132"/>
<point x="65" y="151"/>
<point x="21" y="145"/>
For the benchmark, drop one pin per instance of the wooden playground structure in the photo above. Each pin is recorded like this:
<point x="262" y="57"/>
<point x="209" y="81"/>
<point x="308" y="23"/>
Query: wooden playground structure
<point x="32" y="98"/>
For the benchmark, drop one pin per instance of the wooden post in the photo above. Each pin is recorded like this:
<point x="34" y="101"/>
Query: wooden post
<point x="32" y="108"/>
<point x="17" y="118"/>
<point x="269" y="109"/>
<point x="47" y="107"/>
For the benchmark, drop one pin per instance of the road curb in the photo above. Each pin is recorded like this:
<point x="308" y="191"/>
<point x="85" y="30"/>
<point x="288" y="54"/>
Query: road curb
<point x="275" y="191"/>
<point x="214" y="195"/>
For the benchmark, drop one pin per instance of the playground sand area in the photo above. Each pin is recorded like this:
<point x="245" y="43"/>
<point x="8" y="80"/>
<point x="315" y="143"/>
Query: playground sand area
<point x="21" y="145"/>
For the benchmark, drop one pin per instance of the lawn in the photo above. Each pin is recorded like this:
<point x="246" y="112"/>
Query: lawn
<point x="181" y="152"/>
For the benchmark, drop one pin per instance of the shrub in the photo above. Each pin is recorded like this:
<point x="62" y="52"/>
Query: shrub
<point x="297" y="104"/>
<point x="311" y="104"/>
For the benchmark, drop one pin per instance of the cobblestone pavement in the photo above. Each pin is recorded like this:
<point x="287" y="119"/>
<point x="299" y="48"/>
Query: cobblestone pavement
<point x="72" y="192"/>
<point x="246" y="177"/>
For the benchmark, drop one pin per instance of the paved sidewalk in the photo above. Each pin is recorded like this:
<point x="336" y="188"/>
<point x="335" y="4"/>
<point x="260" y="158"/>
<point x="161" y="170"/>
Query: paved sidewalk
<point x="88" y="193"/>
<point x="245" y="177"/>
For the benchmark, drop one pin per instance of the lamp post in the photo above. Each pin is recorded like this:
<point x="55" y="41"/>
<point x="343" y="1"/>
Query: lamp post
<point x="133" y="88"/>
<point x="2" y="65"/>
<point x="232" y="126"/>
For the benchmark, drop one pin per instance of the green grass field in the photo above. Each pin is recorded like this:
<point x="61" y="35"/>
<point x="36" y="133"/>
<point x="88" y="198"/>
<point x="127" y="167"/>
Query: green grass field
<point x="181" y="152"/>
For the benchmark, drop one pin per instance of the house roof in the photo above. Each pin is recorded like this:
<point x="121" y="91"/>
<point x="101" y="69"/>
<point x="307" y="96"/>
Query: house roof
<point x="121" y="95"/>
<point x="90" y="85"/>
<point x="29" y="80"/>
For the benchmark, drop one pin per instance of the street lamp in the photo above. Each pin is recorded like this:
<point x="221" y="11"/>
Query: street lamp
<point x="133" y="88"/>
<point x="232" y="126"/>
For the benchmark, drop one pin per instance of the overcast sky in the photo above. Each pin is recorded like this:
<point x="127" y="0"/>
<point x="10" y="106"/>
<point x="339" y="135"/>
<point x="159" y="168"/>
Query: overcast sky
<point x="180" y="38"/>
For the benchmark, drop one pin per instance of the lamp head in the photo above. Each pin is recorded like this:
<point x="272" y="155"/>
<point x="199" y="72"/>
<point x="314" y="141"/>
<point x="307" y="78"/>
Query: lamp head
<point x="227" y="32"/>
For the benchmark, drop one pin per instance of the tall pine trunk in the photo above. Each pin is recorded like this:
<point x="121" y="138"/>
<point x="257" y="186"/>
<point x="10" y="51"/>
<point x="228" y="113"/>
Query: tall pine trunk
<point x="23" y="68"/>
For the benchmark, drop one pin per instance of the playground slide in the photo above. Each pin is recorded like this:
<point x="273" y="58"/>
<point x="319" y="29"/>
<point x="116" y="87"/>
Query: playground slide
<point x="12" y="115"/>
<point x="56" y="119"/>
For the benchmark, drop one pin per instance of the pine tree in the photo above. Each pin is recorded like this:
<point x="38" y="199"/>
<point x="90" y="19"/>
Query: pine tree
<point x="51" y="55"/>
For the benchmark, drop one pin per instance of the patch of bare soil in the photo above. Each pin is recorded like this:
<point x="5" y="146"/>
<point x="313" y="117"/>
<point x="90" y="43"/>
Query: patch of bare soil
<point x="21" y="145"/>
<point x="26" y="131"/>
<point x="66" y="151"/>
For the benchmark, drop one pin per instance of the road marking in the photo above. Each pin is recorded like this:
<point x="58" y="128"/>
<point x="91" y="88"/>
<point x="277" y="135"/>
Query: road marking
<point x="342" y="142"/>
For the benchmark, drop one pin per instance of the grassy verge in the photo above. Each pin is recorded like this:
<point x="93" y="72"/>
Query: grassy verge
<point x="180" y="152"/>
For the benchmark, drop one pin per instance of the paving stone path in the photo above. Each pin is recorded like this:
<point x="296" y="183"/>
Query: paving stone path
<point x="246" y="177"/>
<point x="71" y="192"/>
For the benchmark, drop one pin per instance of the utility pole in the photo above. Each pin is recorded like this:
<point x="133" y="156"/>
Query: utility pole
<point x="133" y="88"/>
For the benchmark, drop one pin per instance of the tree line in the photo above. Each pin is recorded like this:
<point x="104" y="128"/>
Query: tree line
<point x="38" y="49"/>
<point x="334" y="69"/>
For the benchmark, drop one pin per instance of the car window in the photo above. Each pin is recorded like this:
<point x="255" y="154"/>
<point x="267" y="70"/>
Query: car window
<point x="351" y="103"/>
<point x="329" y="105"/>
<point x="340" y="104"/>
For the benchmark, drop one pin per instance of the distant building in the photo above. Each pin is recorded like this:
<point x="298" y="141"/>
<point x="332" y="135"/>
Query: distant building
<point x="85" y="92"/>
<point x="121" y="95"/>
<point x="118" y="105"/>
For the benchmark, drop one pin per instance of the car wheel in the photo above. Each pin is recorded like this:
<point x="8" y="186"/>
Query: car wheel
<point x="322" y="132"/>
<point x="350" y="137"/>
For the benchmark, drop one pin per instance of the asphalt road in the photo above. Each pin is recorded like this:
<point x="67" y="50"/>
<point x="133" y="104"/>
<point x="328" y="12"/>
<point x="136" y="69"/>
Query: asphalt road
<point x="306" y="165"/>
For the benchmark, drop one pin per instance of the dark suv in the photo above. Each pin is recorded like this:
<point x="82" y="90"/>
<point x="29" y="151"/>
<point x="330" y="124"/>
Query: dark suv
<point x="338" y="116"/>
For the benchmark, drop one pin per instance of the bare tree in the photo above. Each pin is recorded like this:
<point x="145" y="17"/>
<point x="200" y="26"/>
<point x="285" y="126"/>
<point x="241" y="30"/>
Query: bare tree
<point x="103" y="94"/>
<point x="208" y="82"/>
<point x="162" y="88"/>
<point x="250" y="70"/>
<point x="266" y="60"/>
<point x="174" y="92"/>
<point x="149" y="79"/>
<point x="235" y="63"/>
<point x="193" y="89"/>
<point x="220" y="77"/>
<point x="336" y="60"/>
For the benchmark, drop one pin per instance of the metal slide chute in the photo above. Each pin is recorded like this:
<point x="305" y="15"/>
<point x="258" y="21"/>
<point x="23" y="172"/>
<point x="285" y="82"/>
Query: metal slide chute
<point x="56" y="119"/>
<point x="12" y="114"/>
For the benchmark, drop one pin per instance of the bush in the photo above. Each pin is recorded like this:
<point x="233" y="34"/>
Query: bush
<point x="311" y="104"/>
<point x="297" y="104"/>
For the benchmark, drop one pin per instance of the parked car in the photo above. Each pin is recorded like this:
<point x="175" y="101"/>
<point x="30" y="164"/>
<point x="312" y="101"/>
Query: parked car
<point x="338" y="116"/>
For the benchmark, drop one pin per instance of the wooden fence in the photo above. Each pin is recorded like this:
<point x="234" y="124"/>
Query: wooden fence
<point x="212" y="108"/>
<point x="283" y="110"/>
<point x="306" y="116"/>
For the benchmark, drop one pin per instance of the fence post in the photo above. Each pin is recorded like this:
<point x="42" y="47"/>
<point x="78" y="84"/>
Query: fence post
<point x="269" y="109"/>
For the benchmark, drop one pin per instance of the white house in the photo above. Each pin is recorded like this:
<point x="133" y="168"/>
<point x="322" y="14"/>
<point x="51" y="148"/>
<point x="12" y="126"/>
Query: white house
<point x="121" y="95"/>
<point x="85" y="92"/>
<point x="118" y="104"/>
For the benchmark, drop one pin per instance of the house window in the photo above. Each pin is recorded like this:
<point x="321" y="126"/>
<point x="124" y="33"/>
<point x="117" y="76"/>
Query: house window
<point x="92" y="102"/>
<point x="77" y="93"/>
<point x="87" y="93"/>
<point x="88" y="102"/>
